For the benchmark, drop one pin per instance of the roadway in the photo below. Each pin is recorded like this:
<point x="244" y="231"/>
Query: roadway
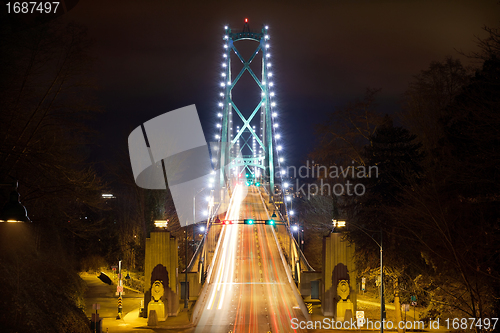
<point x="248" y="289"/>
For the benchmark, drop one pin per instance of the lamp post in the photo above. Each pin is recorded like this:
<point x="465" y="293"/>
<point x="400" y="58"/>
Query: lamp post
<point x="186" y="289"/>
<point x="120" y="288"/>
<point x="380" y="245"/>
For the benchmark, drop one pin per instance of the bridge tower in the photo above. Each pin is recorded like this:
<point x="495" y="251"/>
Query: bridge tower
<point x="251" y="150"/>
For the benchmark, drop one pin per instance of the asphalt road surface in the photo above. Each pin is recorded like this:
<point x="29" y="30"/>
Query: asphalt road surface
<point x="249" y="289"/>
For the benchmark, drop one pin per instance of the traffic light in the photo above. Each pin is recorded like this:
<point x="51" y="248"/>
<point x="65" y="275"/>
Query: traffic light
<point x="248" y="221"/>
<point x="257" y="184"/>
<point x="270" y="222"/>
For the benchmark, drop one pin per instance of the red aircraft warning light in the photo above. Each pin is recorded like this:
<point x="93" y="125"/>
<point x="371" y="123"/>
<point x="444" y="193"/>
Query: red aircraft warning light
<point x="246" y="20"/>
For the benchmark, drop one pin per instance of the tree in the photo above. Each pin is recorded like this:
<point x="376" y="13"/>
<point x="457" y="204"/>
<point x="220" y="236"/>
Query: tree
<point x="426" y="99"/>
<point x="45" y="99"/>
<point x="456" y="207"/>
<point x="44" y="102"/>
<point x="342" y="137"/>
<point x="397" y="156"/>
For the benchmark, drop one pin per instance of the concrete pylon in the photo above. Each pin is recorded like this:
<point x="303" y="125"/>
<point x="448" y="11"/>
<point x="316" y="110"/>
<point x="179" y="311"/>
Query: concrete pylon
<point x="161" y="265"/>
<point x="339" y="295"/>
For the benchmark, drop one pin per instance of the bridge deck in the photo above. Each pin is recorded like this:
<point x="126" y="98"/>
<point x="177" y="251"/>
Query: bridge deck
<point x="249" y="288"/>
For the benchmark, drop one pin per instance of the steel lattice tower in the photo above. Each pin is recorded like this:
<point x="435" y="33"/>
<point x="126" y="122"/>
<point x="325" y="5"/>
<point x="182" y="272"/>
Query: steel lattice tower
<point x="232" y="161"/>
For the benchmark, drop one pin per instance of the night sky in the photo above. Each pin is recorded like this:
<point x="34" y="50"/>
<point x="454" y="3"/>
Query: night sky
<point x="155" y="56"/>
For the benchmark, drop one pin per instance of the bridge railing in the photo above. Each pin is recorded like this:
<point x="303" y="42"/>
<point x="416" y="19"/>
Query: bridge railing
<point x="289" y="244"/>
<point x="201" y="254"/>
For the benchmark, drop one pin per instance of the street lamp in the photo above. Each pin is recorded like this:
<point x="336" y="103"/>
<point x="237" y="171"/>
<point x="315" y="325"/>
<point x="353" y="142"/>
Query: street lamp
<point x="337" y="224"/>
<point x="14" y="211"/>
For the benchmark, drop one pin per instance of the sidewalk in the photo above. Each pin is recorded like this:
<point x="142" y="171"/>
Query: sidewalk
<point x="132" y="321"/>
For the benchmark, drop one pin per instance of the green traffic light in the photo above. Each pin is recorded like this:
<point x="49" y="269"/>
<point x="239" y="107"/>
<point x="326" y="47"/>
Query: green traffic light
<point x="257" y="184"/>
<point x="270" y="222"/>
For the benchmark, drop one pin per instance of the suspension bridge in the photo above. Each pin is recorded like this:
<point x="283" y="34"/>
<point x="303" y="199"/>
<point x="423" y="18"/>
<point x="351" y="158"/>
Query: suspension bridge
<point x="248" y="263"/>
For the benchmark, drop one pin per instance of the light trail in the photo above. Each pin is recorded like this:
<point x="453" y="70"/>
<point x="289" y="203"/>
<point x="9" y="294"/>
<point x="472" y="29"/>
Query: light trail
<point x="225" y="271"/>
<point x="250" y="289"/>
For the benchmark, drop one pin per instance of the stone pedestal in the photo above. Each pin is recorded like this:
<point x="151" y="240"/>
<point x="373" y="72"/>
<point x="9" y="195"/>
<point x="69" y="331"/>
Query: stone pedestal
<point x="152" y="318"/>
<point x="342" y="308"/>
<point x="159" y="308"/>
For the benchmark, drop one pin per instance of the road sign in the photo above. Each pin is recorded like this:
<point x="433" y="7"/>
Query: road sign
<point x="363" y="280"/>
<point x="119" y="289"/>
<point x="413" y="298"/>
<point x="413" y="303"/>
<point x="360" y="318"/>
<point x="96" y="306"/>
<point x="405" y="307"/>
